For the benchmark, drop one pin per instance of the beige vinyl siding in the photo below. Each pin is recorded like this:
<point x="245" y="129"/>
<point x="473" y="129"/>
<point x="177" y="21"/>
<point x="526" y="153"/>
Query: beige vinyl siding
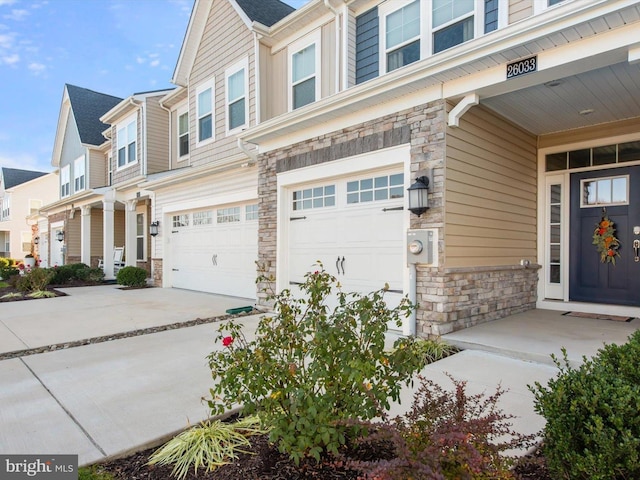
<point x="490" y="196"/>
<point x="96" y="169"/>
<point x="223" y="44"/>
<point x="72" y="237"/>
<point x="157" y="137"/>
<point x="328" y="62"/>
<point x="71" y="146"/>
<point x="351" y="49"/>
<point x="520" y="9"/>
<point x="97" y="230"/>
<point x="245" y="179"/>
<point x="623" y="127"/>
<point x="276" y="82"/>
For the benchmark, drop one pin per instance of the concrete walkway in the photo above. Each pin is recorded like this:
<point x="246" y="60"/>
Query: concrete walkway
<point x="110" y="398"/>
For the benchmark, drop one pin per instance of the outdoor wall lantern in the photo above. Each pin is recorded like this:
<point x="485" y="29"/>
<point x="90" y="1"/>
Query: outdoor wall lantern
<point x="36" y="240"/>
<point x="153" y="228"/>
<point x="419" y="196"/>
<point x="60" y="235"/>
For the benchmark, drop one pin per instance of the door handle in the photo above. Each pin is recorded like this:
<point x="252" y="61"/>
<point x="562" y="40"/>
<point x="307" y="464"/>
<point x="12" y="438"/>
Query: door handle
<point x="636" y="250"/>
<point x="342" y="265"/>
<point x="338" y="264"/>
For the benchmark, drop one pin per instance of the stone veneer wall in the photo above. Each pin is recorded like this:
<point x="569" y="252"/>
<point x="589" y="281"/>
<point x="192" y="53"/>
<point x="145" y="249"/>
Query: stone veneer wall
<point x="454" y="298"/>
<point x="156" y="265"/>
<point x="449" y="299"/>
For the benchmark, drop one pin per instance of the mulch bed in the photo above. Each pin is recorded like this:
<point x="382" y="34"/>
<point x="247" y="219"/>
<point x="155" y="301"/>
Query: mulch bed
<point x="267" y="463"/>
<point x="23" y="297"/>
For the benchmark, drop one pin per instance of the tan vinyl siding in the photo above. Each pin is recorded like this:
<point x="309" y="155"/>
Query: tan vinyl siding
<point x="96" y="169"/>
<point x="275" y="81"/>
<point x="118" y="229"/>
<point x="97" y="230"/>
<point x="490" y="198"/>
<point x="520" y="9"/>
<point x="157" y="136"/>
<point x="328" y="62"/>
<point x="351" y="49"/>
<point x="223" y="45"/>
<point x="72" y="237"/>
<point x="623" y="127"/>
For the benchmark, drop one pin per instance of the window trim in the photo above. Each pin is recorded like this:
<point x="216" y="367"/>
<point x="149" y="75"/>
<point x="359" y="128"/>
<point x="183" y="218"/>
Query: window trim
<point x="65" y="181"/>
<point x="184" y="109"/>
<point x="390" y="8"/>
<point x="598" y="204"/>
<point x="124" y="125"/>
<point x="209" y="84"/>
<point x="313" y="38"/>
<point x="237" y="67"/>
<point x="5" y="208"/>
<point x="79" y="161"/>
<point x="543" y="5"/>
<point x="143" y="236"/>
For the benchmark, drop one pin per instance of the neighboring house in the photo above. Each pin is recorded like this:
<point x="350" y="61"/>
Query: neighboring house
<point x="102" y="151"/>
<point x="524" y="115"/>
<point x="207" y="205"/>
<point x="22" y="194"/>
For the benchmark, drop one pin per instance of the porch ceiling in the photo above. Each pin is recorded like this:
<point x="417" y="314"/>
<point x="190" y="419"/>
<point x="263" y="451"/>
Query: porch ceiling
<point x="602" y="95"/>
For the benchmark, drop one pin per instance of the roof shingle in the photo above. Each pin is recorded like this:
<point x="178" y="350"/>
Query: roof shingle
<point x="266" y="12"/>
<point x="15" y="176"/>
<point x="88" y="106"/>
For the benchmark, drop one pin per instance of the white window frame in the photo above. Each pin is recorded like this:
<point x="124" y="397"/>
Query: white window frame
<point x="313" y="38"/>
<point x="239" y="66"/>
<point x="79" y="174"/>
<point x="143" y="235"/>
<point x="389" y="8"/>
<point x="5" y="213"/>
<point x="540" y="6"/>
<point x="209" y="84"/>
<point x="183" y="110"/>
<point x="124" y="126"/>
<point x="65" y="181"/>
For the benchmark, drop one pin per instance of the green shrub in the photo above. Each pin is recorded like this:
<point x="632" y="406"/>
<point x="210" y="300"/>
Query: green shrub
<point x="447" y="435"/>
<point x="309" y="369"/>
<point x="35" y="281"/>
<point x="62" y="274"/>
<point x="593" y="415"/>
<point x="132" y="277"/>
<point x="95" y="275"/>
<point x="208" y="445"/>
<point x="8" y="268"/>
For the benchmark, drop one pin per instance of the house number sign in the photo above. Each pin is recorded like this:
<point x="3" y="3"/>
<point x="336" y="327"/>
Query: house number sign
<point x="522" y="67"/>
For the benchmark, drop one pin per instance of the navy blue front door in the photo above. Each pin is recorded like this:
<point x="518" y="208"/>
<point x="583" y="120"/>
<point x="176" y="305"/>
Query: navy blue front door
<point x="590" y="280"/>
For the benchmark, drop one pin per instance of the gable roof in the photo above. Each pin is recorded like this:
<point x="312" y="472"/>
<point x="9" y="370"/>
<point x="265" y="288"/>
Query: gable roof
<point x="88" y="106"/>
<point x="266" y="12"/>
<point x="14" y="176"/>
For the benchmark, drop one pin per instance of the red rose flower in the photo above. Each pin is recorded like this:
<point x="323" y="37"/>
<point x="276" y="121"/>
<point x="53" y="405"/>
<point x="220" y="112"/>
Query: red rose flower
<point x="611" y="253"/>
<point x="601" y="231"/>
<point x="226" y="341"/>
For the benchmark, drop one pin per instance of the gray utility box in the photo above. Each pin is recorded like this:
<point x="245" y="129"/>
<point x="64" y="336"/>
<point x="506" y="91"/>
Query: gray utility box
<point x="421" y="245"/>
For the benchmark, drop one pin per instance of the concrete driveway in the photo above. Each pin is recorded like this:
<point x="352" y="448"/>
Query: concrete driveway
<point x="113" y="397"/>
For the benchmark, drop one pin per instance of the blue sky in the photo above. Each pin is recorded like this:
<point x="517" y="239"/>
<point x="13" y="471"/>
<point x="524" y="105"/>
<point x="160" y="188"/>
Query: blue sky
<point x="117" y="47"/>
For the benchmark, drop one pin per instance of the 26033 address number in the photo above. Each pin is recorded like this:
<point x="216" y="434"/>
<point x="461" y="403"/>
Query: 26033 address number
<point x="521" y="67"/>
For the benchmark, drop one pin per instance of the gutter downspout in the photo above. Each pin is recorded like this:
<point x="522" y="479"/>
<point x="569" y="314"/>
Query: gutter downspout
<point x="327" y="3"/>
<point x="253" y="156"/>
<point x="166" y="109"/>
<point x="258" y="96"/>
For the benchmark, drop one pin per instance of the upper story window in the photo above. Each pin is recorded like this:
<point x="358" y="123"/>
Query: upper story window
<point x="402" y="36"/>
<point x="204" y="108"/>
<point x="304" y="70"/>
<point x="237" y="106"/>
<point x="183" y="133"/>
<point x="126" y="136"/>
<point x="5" y="214"/>
<point x="78" y="174"/>
<point x="452" y="22"/>
<point x="64" y="182"/>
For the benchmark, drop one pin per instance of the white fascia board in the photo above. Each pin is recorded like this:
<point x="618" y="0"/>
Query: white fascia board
<point x="519" y="33"/>
<point x="63" y="116"/>
<point x="210" y="200"/>
<point x="247" y="21"/>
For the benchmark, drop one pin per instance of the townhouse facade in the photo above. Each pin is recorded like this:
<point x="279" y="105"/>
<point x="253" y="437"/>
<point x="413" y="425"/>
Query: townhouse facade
<point x="294" y="137"/>
<point x="22" y="194"/>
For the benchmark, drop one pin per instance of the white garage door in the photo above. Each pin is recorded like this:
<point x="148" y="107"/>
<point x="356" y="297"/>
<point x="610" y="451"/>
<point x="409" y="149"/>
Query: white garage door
<point x="215" y="250"/>
<point x="354" y="226"/>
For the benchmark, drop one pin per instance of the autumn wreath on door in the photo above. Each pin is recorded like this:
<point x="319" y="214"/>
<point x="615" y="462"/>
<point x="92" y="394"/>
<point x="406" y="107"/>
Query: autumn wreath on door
<point x="605" y="240"/>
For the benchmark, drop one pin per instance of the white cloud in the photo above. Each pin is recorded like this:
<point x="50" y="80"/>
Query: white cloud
<point x="154" y="55"/>
<point x="7" y="2"/>
<point x="6" y="40"/>
<point x="141" y="60"/>
<point x="16" y="14"/>
<point x="155" y="63"/>
<point x="36" y="68"/>
<point x="11" y="59"/>
<point x="23" y="161"/>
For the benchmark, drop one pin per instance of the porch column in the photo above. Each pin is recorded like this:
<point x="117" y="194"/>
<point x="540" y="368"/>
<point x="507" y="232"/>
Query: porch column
<point x="130" y="232"/>
<point x="85" y="235"/>
<point x="107" y="238"/>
